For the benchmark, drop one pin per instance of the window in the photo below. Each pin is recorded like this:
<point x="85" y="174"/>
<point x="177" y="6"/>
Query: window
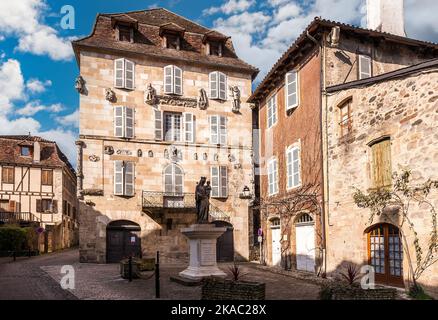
<point x="25" y="151"/>
<point x="8" y="175"/>
<point x="218" y="85"/>
<point x="365" y="67"/>
<point x="272" y="177"/>
<point x="172" y="126"/>
<point x="173" y="180"/>
<point x="219" y="182"/>
<point x="4" y="206"/>
<point x="272" y="111"/>
<point x="173" y="41"/>
<point x="173" y="80"/>
<point x="124" y="122"/>
<point x="46" y="205"/>
<point x="126" y="34"/>
<point x="189" y="127"/>
<point x="124" y="74"/>
<point x="218" y="130"/>
<point x="158" y="124"/>
<point x="124" y="178"/>
<point x="64" y="207"/>
<point x="381" y="174"/>
<point x="215" y="49"/>
<point x="293" y="167"/>
<point x="47" y="177"/>
<point x="292" y="92"/>
<point x="305" y="218"/>
<point x="74" y="213"/>
<point x="346" y="120"/>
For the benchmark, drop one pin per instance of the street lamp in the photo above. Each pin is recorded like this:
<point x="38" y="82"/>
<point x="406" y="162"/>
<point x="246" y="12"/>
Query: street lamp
<point x="246" y="193"/>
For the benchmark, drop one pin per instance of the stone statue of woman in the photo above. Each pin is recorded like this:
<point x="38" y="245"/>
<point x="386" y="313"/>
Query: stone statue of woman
<point x="202" y="195"/>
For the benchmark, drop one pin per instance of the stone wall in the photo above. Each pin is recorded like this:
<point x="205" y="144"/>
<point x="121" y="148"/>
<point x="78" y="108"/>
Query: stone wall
<point x="213" y="289"/>
<point x="406" y="109"/>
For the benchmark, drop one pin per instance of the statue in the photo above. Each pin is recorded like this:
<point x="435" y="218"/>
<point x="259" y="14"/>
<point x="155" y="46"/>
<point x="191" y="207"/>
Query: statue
<point x="110" y="95"/>
<point x="151" y="95"/>
<point x="202" y="198"/>
<point x="202" y="99"/>
<point x="235" y="94"/>
<point x="80" y="84"/>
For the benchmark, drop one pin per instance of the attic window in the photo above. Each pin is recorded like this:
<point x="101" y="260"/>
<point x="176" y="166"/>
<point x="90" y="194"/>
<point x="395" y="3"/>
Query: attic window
<point x="126" y="33"/>
<point x="215" y="49"/>
<point x="25" y="151"/>
<point x="172" y="41"/>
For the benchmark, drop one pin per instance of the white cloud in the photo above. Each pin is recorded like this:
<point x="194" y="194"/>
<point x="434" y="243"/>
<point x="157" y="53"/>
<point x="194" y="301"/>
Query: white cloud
<point x="421" y="20"/>
<point x="37" y="86"/>
<point x="2" y="37"/>
<point x="11" y="84"/>
<point x="65" y="139"/>
<point x="71" y="120"/>
<point x="230" y="7"/>
<point x="288" y="11"/>
<point x="34" y="107"/>
<point x="244" y="23"/>
<point x="24" y="19"/>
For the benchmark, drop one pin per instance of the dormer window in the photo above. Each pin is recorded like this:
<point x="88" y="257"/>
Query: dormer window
<point x="214" y="43"/>
<point x="25" y="151"/>
<point x="172" y="41"/>
<point x="126" y="34"/>
<point x="124" y="27"/>
<point x="172" y="35"/>
<point x="215" y="49"/>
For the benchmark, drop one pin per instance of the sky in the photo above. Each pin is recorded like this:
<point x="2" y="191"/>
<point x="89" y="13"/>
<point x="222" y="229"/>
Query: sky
<point x="38" y="67"/>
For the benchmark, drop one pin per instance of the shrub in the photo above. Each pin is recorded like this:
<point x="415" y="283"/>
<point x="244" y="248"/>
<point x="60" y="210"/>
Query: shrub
<point x="12" y="238"/>
<point x="417" y="292"/>
<point x="236" y="272"/>
<point x="351" y="274"/>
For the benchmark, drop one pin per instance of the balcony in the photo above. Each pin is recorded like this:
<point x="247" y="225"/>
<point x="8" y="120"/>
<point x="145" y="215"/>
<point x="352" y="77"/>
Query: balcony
<point x="168" y="200"/>
<point x="20" y="218"/>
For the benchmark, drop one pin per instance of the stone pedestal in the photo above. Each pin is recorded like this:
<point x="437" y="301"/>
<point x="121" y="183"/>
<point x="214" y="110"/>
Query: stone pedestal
<point x="202" y="241"/>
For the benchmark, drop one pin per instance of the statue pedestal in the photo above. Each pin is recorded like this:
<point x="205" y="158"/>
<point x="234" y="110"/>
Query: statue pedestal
<point x="202" y="241"/>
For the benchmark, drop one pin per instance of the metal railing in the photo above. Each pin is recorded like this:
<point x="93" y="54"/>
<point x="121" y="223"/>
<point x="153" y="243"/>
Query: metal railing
<point x="153" y="199"/>
<point x="17" y="217"/>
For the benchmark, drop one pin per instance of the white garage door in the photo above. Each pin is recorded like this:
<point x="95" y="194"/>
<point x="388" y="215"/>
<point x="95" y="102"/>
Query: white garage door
<point x="305" y="241"/>
<point x="276" y="247"/>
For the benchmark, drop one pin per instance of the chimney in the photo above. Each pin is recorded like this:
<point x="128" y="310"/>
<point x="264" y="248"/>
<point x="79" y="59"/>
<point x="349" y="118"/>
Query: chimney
<point x="386" y="16"/>
<point x="36" y="152"/>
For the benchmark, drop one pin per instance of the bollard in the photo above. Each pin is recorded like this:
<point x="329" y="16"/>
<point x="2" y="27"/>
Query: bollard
<point x="157" y="276"/>
<point x="130" y="268"/>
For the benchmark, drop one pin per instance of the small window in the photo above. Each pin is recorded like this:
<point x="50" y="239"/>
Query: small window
<point x="124" y="74"/>
<point x="292" y="90"/>
<point x="381" y="168"/>
<point x="46" y="205"/>
<point x="47" y="177"/>
<point x="219" y="182"/>
<point x="218" y="85"/>
<point x="215" y="49"/>
<point x="304" y="218"/>
<point x="275" y="223"/>
<point x="25" y="151"/>
<point x="125" y="33"/>
<point x="293" y="167"/>
<point x="218" y="130"/>
<point x="365" y="67"/>
<point x="345" y="123"/>
<point x="272" y="111"/>
<point x="124" y="122"/>
<point x="173" y="80"/>
<point x="124" y="178"/>
<point x="8" y="175"/>
<point x="173" y="41"/>
<point x="172" y="126"/>
<point x="272" y="177"/>
<point x="173" y="180"/>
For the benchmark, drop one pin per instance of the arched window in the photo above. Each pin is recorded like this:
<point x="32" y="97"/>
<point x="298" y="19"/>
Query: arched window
<point x="173" y="180"/>
<point x="275" y="222"/>
<point x="385" y="253"/>
<point x="304" y="218"/>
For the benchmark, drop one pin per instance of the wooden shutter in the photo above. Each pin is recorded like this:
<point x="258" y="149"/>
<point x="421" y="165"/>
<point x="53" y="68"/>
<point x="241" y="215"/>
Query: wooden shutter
<point x="39" y="207"/>
<point x="214" y="129"/>
<point x="291" y="90"/>
<point x="178" y="81"/>
<point x="214" y="90"/>
<point x="223" y="182"/>
<point x="168" y="179"/>
<point x="54" y="206"/>
<point x="381" y="164"/>
<point x="365" y="69"/>
<point x="222" y="86"/>
<point x="129" y="122"/>
<point x="168" y="79"/>
<point x="158" y="124"/>
<point x="118" y="178"/>
<point x="118" y="122"/>
<point x="189" y="127"/>
<point x="12" y="206"/>
<point x="296" y="176"/>
<point x="223" y="130"/>
<point x="119" y="73"/>
<point x="215" y="181"/>
<point x="129" y="75"/>
<point x="129" y="178"/>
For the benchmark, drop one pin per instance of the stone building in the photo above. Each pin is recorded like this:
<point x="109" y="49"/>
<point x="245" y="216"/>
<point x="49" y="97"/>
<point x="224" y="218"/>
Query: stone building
<point x="292" y="99"/>
<point x="162" y="103"/>
<point x="38" y="187"/>
<point x="390" y="125"/>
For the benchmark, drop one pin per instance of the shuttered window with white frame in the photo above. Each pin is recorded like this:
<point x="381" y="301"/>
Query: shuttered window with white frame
<point x="272" y="177"/>
<point x="272" y="111"/>
<point x="173" y="80"/>
<point x="293" y="167"/>
<point x="124" y="122"/>
<point x="158" y="124"/>
<point x="292" y="90"/>
<point x="219" y="182"/>
<point x="189" y="127"/>
<point x="218" y="129"/>
<point x="124" y="74"/>
<point x="124" y="178"/>
<point x="365" y="67"/>
<point x="218" y="85"/>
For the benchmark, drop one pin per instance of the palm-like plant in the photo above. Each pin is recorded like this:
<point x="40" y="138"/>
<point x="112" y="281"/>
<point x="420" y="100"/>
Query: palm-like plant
<point x="351" y="274"/>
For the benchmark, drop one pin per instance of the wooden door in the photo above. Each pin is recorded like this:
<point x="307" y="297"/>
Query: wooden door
<point x="276" y="246"/>
<point x="305" y="247"/>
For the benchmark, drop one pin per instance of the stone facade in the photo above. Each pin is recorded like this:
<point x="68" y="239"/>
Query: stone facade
<point x="160" y="227"/>
<point x="406" y="110"/>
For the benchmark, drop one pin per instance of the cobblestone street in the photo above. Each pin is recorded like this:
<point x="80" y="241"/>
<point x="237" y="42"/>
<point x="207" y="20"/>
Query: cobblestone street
<point x="39" y="277"/>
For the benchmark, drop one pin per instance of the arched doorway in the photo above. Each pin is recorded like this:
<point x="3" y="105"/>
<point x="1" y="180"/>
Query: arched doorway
<point x="122" y="240"/>
<point x="385" y="253"/>
<point x="305" y="242"/>
<point x="276" y="241"/>
<point x="225" y="243"/>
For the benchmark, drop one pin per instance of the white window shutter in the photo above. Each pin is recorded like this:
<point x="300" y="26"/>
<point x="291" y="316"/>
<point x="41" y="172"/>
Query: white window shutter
<point x="214" y="130"/>
<point x="129" y="122"/>
<point x="118" y="178"/>
<point x="222" y="86"/>
<point x="118" y="122"/>
<point x="119" y="73"/>
<point x="223" y="130"/>
<point x="292" y="90"/>
<point x="129" y="75"/>
<point x="178" y="81"/>
<point x="189" y="127"/>
<point x="215" y="181"/>
<point x="214" y="90"/>
<point x="365" y="69"/>
<point x="158" y="124"/>
<point x="129" y="178"/>
<point x="224" y="182"/>
<point x="168" y="79"/>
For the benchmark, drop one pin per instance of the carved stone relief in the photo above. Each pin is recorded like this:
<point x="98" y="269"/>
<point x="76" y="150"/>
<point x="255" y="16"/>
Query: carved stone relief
<point x="202" y="99"/>
<point x="235" y="94"/>
<point x="80" y="85"/>
<point x="110" y="95"/>
<point x="94" y="158"/>
<point x="109" y="150"/>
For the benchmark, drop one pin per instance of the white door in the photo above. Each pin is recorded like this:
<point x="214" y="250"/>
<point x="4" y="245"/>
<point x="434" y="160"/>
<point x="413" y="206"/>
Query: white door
<point x="276" y="246"/>
<point x="305" y="241"/>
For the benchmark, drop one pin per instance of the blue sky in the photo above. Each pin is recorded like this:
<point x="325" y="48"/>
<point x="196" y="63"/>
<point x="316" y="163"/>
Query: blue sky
<point x="37" y="66"/>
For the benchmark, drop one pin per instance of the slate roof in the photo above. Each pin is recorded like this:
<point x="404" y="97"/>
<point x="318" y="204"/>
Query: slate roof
<point x="148" y="41"/>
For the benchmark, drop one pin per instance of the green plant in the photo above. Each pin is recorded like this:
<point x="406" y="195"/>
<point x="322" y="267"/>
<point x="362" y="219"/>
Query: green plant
<point x="351" y="274"/>
<point x="12" y="238"/>
<point x="326" y="292"/>
<point x="236" y="272"/>
<point x="417" y="292"/>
